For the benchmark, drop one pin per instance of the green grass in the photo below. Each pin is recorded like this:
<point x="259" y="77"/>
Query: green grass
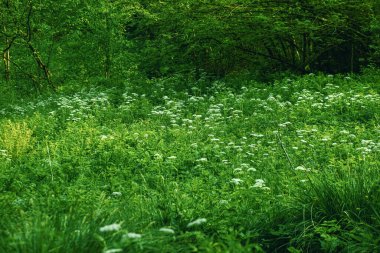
<point x="287" y="167"/>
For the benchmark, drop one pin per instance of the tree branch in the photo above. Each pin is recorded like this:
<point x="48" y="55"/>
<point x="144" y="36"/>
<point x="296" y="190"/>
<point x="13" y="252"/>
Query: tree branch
<point x="10" y="44"/>
<point x="28" y="25"/>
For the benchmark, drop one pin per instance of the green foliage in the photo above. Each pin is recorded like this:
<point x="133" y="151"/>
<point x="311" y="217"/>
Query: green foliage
<point x="142" y="126"/>
<point x="47" y="45"/>
<point x="231" y="36"/>
<point x="232" y="166"/>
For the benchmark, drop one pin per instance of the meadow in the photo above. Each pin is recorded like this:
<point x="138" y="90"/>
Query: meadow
<point x="226" y="166"/>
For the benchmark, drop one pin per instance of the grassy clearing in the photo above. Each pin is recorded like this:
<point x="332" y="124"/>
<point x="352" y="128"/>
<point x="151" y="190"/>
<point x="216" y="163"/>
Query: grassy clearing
<point x="288" y="167"/>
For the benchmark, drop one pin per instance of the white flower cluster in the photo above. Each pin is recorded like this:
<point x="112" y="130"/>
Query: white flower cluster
<point x="110" y="228"/>
<point x="197" y="222"/>
<point x="260" y="183"/>
<point x="167" y="230"/>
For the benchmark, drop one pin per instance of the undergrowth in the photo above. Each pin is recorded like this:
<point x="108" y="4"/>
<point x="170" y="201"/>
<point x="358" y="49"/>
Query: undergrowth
<point x="231" y="166"/>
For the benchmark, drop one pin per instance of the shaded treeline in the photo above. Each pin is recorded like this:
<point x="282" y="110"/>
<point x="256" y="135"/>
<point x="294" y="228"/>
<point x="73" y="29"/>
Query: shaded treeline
<point x="47" y="43"/>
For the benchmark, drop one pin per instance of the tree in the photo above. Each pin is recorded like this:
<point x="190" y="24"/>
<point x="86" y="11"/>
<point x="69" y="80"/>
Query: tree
<point x="225" y="36"/>
<point x="17" y="29"/>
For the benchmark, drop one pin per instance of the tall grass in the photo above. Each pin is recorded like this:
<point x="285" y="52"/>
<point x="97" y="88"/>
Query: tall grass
<point x="236" y="166"/>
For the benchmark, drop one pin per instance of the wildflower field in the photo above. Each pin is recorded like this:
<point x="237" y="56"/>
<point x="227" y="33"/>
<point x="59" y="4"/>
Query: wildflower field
<point x="229" y="166"/>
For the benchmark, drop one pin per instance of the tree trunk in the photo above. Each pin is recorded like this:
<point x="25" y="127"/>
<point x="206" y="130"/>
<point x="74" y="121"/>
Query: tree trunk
<point x="352" y="58"/>
<point x="304" y="51"/>
<point x="39" y="62"/>
<point x="7" y="57"/>
<point x="7" y="62"/>
<point x="107" y="48"/>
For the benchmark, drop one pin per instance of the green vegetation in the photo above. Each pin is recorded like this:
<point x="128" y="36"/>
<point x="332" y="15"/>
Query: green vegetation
<point x="291" y="166"/>
<point x="189" y="126"/>
<point x="52" y="44"/>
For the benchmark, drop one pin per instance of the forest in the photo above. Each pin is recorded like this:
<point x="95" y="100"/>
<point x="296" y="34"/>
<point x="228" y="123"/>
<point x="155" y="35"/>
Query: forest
<point x="48" y="44"/>
<point x="189" y="126"/>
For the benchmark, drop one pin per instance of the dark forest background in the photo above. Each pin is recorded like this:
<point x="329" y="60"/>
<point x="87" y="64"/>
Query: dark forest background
<point x="51" y="43"/>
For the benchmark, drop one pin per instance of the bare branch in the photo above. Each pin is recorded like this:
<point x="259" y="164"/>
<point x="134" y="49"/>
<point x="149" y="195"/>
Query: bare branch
<point x="10" y="44"/>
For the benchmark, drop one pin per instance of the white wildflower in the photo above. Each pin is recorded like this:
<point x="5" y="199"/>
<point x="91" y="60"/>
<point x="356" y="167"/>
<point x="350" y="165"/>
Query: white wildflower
<point x="113" y="250"/>
<point x="110" y="228"/>
<point x="236" y="181"/>
<point x="167" y="230"/>
<point x="251" y="169"/>
<point x="133" y="235"/>
<point x="158" y="156"/>
<point x="194" y="145"/>
<point x="116" y="194"/>
<point x="259" y="183"/>
<point x="238" y="170"/>
<point x="302" y="168"/>
<point x="197" y="222"/>
<point x="284" y="124"/>
<point x="103" y="137"/>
